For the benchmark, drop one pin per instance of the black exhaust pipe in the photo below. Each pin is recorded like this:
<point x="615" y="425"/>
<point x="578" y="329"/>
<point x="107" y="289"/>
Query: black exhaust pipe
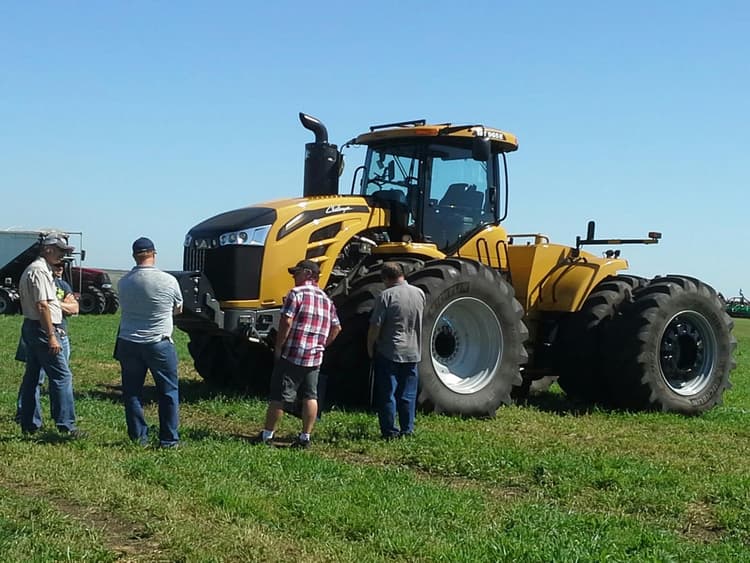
<point x="322" y="160"/>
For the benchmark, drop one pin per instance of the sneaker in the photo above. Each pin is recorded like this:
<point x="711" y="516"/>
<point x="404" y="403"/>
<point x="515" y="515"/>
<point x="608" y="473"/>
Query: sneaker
<point x="300" y="443"/>
<point x="255" y="440"/>
<point x="169" y="445"/>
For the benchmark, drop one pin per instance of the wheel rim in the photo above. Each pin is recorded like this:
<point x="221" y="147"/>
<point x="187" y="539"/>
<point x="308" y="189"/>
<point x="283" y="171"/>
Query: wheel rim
<point x="466" y="345"/>
<point x="687" y="353"/>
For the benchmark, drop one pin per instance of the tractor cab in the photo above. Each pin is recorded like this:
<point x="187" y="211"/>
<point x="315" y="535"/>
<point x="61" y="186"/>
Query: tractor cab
<point x="441" y="183"/>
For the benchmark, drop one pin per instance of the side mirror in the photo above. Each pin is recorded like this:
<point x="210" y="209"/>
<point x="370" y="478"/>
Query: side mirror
<point x="83" y="255"/>
<point x="480" y="149"/>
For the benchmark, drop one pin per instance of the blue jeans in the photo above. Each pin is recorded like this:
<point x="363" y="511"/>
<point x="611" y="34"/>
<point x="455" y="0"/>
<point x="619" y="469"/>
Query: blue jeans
<point x="161" y="359"/>
<point x="21" y="357"/>
<point x="395" y="390"/>
<point x="60" y="378"/>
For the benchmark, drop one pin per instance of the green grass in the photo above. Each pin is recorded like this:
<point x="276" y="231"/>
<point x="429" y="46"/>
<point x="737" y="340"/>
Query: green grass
<point x="541" y="482"/>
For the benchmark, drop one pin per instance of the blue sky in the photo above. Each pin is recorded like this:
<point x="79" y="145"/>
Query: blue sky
<point x="123" y="119"/>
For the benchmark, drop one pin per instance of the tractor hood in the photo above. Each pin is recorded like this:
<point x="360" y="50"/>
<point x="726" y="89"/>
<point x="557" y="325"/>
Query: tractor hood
<point x="235" y="220"/>
<point x="280" y="216"/>
<point x="233" y="249"/>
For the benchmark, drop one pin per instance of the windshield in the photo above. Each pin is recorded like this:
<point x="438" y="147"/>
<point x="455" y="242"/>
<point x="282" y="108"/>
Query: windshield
<point x="446" y="193"/>
<point x="393" y="175"/>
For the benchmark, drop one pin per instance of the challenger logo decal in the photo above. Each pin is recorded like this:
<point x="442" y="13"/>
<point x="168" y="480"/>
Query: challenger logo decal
<point x="306" y="217"/>
<point x="332" y="209"/>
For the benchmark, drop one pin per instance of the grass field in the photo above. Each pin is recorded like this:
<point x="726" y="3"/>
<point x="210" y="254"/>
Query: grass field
<point x="541" y="482"/>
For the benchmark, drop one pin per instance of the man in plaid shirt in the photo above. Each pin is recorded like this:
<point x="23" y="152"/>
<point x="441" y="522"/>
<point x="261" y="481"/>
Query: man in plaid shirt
<point x="308" y="324"/>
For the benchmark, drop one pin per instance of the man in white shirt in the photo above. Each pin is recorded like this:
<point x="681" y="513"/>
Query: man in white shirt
<point x="45" y="339"/>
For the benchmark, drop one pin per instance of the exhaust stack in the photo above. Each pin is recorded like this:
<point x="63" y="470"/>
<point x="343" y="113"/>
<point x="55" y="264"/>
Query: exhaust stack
<point x="321" y="160"/>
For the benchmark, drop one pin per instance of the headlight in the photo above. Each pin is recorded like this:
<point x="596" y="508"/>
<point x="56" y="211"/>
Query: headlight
<point x="255" y="236"/>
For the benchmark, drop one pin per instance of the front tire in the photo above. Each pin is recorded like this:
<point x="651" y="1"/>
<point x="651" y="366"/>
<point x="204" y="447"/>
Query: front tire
<point x="230" y="361"/>
<point x="8" y="303"/>
<point x="346" y="361"/>
<point x="92" y="302"/>
<point x="675" y="347"/>
<point x="472" y="338"/>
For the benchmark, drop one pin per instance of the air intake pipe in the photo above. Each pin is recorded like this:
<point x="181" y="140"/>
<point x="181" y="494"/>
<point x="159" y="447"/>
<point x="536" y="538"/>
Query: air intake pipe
<point x="322" y="160"/>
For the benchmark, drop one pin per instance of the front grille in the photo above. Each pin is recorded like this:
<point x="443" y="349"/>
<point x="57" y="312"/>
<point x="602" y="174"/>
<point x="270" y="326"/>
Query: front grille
<point x="234" y="271"/>
<point x="193" y="259"/>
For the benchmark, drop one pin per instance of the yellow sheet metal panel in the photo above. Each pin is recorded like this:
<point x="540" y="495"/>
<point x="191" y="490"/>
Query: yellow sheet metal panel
<point x="530" y="265"/>
<point x="547" y="277"/>
<point x="416" y="249"/>
<point x="289" y="241"/>
<point x="570" y="283"/>
<point x="489" y="246"/>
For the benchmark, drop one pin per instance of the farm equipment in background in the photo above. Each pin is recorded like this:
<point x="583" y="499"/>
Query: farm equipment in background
<point x="503" y="310"/>
<point x="93" y="287"/>
<point x="738" y="306"/>
<point x="18" y="249"/>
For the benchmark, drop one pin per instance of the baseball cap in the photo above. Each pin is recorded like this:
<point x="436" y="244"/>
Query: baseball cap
<point x="143" y="244"/>
<point x="60" y="240"/>
<point x="306" y="265"/>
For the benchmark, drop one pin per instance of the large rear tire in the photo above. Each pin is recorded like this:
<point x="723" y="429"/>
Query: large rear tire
<point x="472" y="338"/>
<point x="581" y="361"/>
<point x="674" y="347"/>
<point x="92" y="302"/>
<point x="112" y="302"/>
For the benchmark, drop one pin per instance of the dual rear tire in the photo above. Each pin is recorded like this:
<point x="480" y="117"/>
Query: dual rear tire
<point x="664" y="345"/>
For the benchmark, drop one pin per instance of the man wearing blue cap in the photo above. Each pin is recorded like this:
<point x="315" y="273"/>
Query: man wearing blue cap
<point x="149" y="298"/>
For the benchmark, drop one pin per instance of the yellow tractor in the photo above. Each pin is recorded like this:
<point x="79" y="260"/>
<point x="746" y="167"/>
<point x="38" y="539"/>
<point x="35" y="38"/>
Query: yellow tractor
<point x="502" y="309"/>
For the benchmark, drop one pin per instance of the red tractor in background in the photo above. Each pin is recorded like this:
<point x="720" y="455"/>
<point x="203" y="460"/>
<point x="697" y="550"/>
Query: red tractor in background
<point x="94" y="290"/>
<point x="18" y="249"/>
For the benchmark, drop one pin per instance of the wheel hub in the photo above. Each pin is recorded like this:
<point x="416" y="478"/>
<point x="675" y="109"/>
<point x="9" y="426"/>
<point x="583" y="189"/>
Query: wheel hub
<point x="446" y="342"/>
<point x="687" y="353"/>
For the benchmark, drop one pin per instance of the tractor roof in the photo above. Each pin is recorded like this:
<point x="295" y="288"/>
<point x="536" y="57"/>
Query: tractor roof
<point x="501" y="140"/>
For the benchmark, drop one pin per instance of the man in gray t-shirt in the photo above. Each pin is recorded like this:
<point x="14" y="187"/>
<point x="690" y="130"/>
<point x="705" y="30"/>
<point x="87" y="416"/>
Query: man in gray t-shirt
<point x="148" y="300"/>
<point x="394" y="342"/>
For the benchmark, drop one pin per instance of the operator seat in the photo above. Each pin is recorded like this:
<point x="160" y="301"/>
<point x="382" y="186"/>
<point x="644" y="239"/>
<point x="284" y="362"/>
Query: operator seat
<point x="456" y="213"/>
<point x="464" y="198"/>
